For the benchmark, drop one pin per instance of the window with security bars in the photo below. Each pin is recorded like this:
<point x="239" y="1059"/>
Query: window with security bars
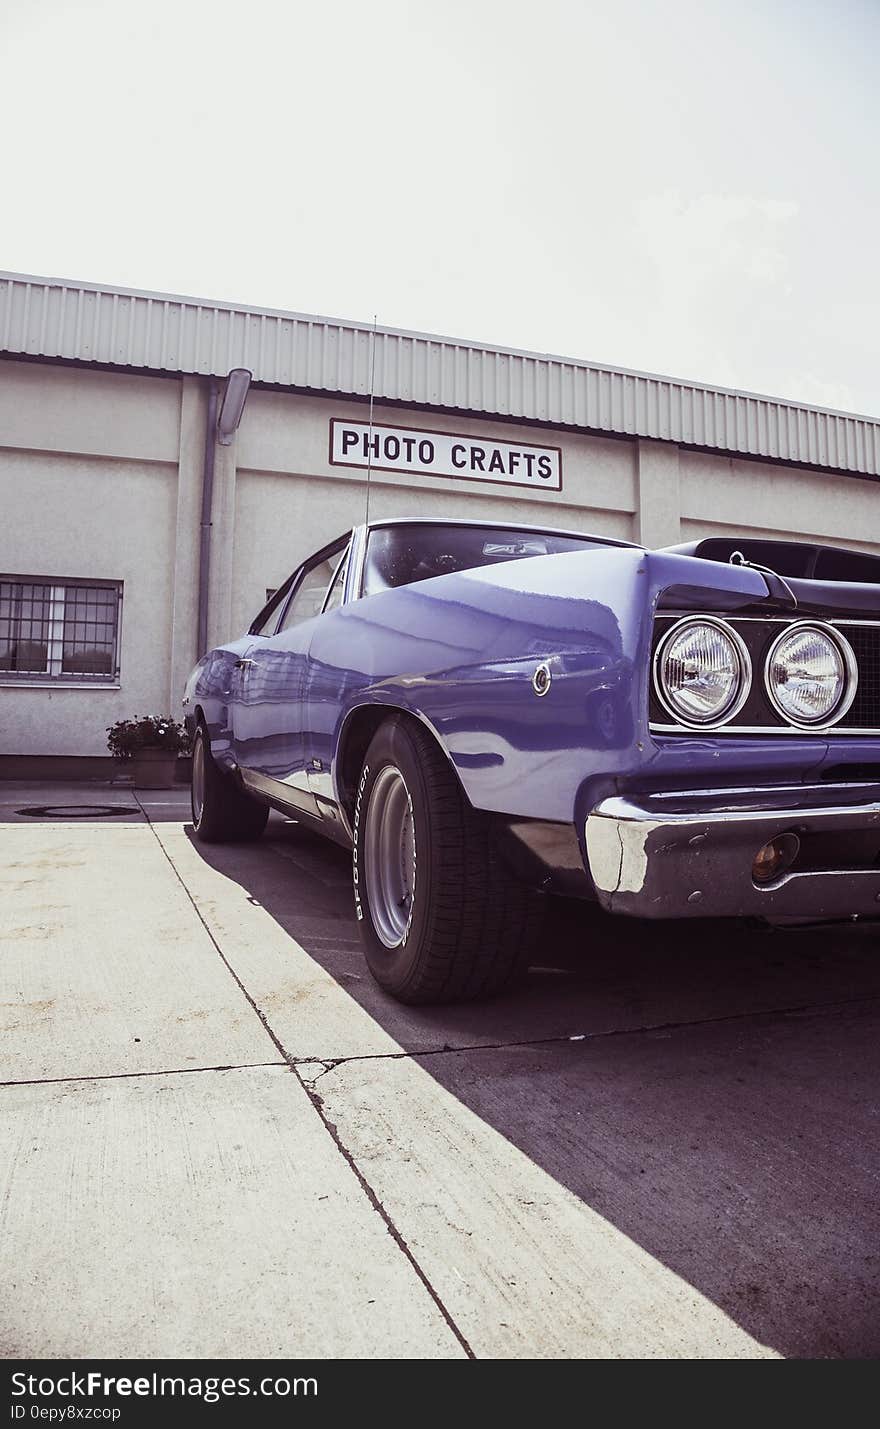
<point x="64" y="630"/>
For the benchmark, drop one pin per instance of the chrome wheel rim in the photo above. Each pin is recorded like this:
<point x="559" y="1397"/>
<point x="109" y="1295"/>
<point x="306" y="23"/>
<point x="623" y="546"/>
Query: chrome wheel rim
<point x="390" y="857"/>
<point x="198" y="779"/>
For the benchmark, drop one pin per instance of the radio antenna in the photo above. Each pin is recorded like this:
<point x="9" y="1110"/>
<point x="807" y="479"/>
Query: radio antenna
<point x="370" y="438"/>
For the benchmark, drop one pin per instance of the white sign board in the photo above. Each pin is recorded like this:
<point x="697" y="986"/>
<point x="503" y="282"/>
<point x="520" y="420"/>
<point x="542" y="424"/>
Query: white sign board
<point x="411" y="449"/>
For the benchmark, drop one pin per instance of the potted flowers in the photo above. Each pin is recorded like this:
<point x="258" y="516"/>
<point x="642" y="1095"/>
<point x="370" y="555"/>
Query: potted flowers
<point x="150" y="744"/>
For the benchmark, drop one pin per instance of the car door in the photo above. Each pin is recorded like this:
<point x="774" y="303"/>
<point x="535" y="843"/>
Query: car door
<point x="268" y="709"/>
<point x="326" y="683"/>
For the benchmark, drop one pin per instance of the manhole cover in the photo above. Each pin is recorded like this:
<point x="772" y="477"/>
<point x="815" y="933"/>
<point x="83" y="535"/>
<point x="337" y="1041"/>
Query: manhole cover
<point x="76" y="811"/>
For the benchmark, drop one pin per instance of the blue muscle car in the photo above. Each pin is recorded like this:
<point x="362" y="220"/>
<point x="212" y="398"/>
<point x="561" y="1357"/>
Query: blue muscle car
<point x="488" y="715"/>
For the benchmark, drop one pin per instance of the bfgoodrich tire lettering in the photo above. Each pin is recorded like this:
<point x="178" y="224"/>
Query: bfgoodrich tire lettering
<point x="442" y="919"/>
<point x="221" y="812"/>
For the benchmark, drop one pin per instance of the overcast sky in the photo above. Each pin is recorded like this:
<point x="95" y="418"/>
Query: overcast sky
<point x="687" y="187"/>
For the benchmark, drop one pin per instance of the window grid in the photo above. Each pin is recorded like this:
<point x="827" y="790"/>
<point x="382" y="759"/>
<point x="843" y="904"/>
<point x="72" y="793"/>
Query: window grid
<point x="59" y="631"/>
<point x="24" y="626"/>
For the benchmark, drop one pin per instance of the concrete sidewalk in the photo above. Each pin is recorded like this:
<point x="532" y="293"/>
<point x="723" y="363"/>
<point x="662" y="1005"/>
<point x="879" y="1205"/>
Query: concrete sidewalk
<point x="218" y="1138"/>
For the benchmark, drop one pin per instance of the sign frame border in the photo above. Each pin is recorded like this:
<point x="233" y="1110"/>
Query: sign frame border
<point x="438" y="475"/>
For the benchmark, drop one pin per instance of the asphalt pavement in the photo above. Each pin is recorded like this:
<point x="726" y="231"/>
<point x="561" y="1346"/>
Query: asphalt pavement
<point x="218" y="1137"/>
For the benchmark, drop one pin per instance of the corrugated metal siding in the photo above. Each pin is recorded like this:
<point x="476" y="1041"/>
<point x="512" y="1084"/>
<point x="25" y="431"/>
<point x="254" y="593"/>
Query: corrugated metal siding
<point x="46" y="318"/>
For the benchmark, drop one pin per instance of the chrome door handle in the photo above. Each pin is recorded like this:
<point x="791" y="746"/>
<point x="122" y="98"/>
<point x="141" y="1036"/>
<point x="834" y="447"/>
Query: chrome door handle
<point x="242" y="664"/>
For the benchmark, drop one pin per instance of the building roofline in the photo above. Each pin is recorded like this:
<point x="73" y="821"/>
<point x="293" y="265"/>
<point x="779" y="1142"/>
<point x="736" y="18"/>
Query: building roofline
<point x="364" y="325"/>
<point x="87" y="322"/>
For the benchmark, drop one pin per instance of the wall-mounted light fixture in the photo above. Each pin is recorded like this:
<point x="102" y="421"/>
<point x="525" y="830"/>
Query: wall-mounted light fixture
<point x="234" y="397"/>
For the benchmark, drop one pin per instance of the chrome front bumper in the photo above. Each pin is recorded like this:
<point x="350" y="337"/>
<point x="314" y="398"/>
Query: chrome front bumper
<point x="690" y="854"/>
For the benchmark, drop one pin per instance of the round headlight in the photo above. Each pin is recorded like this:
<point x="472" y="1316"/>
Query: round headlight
<point x="811" y="674"/>
<point x="702" y="671"/>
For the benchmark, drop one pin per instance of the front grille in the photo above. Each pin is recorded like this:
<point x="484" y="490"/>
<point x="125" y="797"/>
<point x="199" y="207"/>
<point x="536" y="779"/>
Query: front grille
<point x="864" y="712"/>
<point x="758" y="713"/>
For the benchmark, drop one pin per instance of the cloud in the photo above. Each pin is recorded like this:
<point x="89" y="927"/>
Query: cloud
<point x="818" y="392"/>
<point x="712" y="239"/>
<point x="720" y="274"/>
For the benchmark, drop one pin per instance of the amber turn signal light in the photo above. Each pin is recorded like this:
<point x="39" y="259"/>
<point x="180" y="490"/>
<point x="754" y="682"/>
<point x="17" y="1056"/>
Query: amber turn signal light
<point x="775" y="857"/>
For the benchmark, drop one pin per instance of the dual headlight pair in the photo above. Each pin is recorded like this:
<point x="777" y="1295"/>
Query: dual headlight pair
<point x="703" y="673"/>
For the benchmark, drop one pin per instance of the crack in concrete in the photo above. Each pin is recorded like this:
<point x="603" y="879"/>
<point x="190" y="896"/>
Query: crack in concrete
<point x="318" y="1106"/>
<point x="317" y="1102"/>
<point x="123" y="1076"/>
<point x="198" y="912"/>
<point x="329" y="1064"/>
<point x="298" y="1065"/>
<point x="326" y="1064"/>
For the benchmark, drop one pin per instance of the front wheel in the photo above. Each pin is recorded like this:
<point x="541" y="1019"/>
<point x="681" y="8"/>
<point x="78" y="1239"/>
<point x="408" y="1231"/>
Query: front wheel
<point x="221" y="812"/>
<point x="441" y="916"/>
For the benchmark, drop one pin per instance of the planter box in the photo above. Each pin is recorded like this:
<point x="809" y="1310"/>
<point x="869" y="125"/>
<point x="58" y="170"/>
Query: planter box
<point x="153" y="769"/>
<point x="69" y="768"/>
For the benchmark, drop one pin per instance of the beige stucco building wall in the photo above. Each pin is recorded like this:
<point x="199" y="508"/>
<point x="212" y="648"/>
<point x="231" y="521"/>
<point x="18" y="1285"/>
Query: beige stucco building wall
<point x="89" y="477"/>
<point x="101" y="477"/>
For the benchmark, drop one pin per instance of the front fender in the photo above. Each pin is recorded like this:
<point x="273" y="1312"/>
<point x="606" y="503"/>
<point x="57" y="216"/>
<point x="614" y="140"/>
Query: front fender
<point x="460" y="652"/>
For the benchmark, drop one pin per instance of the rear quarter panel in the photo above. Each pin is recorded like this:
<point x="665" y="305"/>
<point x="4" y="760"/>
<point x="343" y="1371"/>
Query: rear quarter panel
<point x="208" y="694"/>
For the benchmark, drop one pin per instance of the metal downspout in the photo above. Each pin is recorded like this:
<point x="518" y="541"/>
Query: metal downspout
<point x="205" y="531"/>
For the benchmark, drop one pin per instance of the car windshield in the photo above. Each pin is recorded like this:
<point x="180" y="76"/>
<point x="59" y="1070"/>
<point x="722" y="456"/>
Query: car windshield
<point x="401" y="555"/>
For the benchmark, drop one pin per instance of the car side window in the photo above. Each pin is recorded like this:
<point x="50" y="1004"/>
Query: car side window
<point x="264" y="624"/>
<point x="334" y="595"/>
<point x="308" y="598"/>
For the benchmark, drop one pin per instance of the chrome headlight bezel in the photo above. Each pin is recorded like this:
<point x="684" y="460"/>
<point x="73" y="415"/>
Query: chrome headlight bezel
<point x="745" y="672"/>
<point x="850" y="682"/>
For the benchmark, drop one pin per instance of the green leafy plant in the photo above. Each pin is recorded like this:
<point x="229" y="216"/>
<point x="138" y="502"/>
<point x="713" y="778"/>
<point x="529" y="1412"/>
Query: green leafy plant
<point x="127" y="737"/>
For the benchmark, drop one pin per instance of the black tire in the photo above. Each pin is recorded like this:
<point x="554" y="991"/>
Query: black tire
<point x="464" y="926"/>
<point x="221" y="812"/>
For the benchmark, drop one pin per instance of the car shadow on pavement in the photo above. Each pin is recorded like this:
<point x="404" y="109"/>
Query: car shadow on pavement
<point x="710" y="1089"/>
